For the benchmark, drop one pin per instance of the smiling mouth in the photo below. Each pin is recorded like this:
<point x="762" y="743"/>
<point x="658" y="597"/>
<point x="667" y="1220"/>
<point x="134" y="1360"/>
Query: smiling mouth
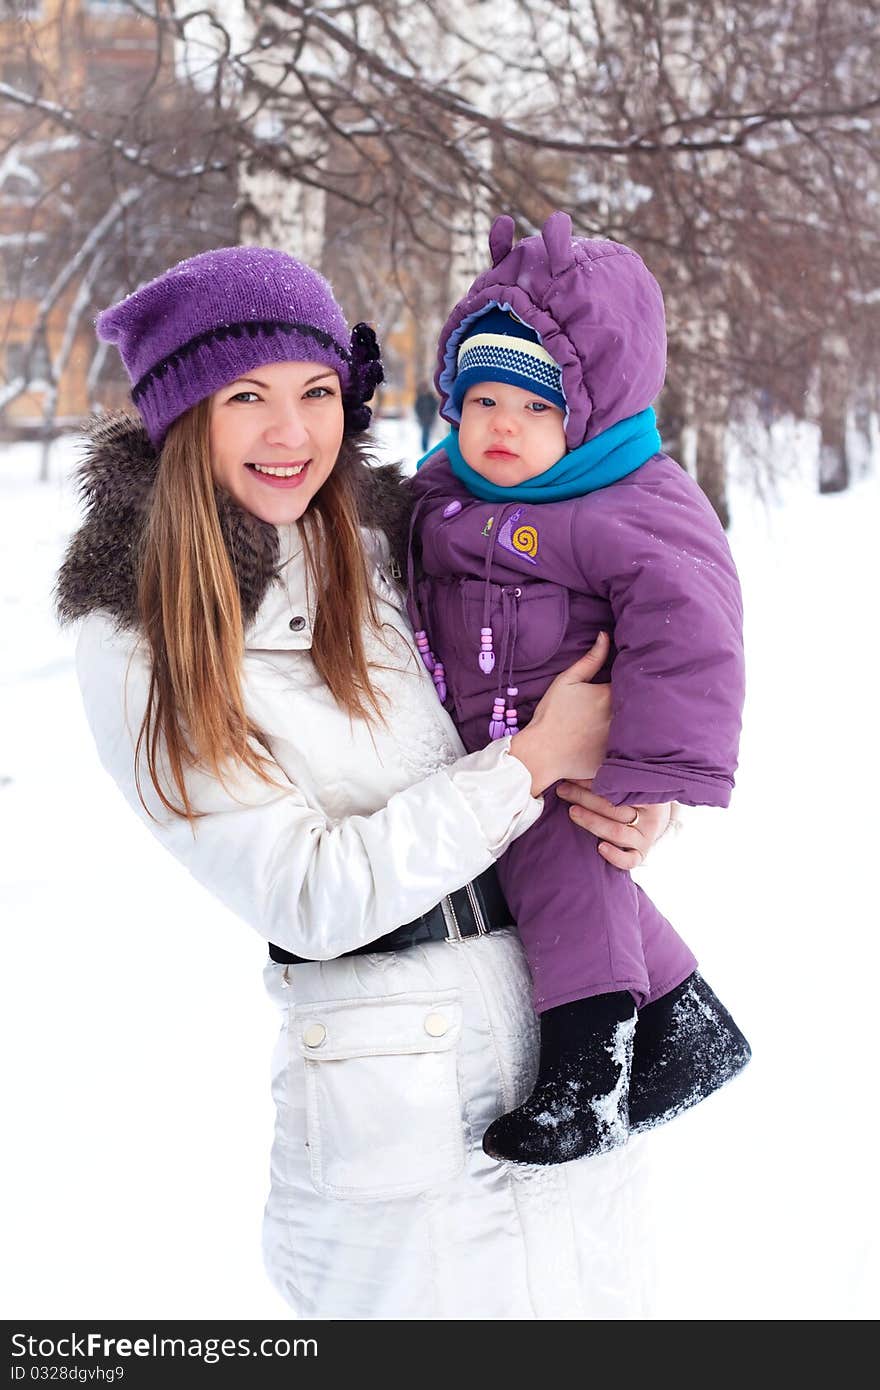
<point x="279" y="470"/>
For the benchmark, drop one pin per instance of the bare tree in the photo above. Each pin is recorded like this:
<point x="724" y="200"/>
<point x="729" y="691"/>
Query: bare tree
<point x="733" y="144"/>
<point x="81" y="220"/>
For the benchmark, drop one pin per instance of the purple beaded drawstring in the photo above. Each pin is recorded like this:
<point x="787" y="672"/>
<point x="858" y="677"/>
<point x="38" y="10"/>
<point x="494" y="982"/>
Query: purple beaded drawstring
<point x="438" y="674"/>
<point x="511" y="718"/>
<point x="435" y="667"/>
<point x="486" y="654"/>
<point x="425" y="650"/>
<point x="497" y="726"/>
<point x="510" y="715"/>
<point x="504" y="719"/>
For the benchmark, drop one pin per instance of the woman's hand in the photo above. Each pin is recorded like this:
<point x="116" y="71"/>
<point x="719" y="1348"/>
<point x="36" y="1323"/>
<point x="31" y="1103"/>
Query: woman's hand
<point x="568" y="732"/>
<point x="625" y="833"/>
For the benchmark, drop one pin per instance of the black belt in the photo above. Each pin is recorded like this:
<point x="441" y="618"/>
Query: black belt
<point x="473" y="910"/>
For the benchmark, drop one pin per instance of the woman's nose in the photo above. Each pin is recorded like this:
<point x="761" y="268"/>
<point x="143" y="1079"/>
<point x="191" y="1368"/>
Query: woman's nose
<point x="286" y="429"/>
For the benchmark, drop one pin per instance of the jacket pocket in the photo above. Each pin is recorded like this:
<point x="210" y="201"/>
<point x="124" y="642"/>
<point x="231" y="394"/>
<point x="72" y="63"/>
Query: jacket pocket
<point x="539" y="609"/>
<point x="383" y="1107"/>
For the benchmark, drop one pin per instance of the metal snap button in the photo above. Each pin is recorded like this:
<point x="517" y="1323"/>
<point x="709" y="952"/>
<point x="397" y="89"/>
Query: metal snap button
<point x="314" y="1035"/>
<point x="436" y="1025"/>
<point x="297" y="624"/>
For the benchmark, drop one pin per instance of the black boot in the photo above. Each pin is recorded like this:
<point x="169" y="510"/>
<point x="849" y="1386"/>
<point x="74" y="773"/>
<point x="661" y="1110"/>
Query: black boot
<point x="579" y="1103"/>
<point x="686" y="1046"/>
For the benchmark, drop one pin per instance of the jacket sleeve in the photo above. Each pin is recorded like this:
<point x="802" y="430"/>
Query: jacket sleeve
<point x="656" y="550"/>
<point x="315" y="888"/>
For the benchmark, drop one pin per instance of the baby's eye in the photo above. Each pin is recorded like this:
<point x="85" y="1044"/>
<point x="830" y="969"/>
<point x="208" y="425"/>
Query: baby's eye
<point x="483" y="400"/>
<point x="240" y="396"/>
<point x="538" y="407"/>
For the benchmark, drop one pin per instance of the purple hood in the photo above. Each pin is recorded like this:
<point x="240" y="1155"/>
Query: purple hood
<point x="594" y="304"/>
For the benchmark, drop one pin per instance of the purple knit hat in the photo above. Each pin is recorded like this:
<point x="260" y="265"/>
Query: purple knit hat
<point x="219" y="315"/>
<point x="594" y="306"/>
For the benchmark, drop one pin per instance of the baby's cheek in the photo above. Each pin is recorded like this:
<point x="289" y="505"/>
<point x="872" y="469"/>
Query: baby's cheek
<point x="468" y="446"/>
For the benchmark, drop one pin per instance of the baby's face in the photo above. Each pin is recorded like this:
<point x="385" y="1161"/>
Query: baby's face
<point x="508" y="435"/>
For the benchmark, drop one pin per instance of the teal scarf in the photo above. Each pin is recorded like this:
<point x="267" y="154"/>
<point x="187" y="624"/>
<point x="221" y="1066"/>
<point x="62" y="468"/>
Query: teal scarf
<point x="610" y="455"/>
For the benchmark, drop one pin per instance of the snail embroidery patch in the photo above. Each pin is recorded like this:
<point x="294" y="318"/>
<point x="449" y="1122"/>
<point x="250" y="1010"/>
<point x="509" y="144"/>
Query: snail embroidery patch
<point x="521" y="540"/>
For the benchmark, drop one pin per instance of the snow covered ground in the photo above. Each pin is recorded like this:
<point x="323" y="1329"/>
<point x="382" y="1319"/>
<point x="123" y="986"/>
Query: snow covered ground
<point x="136" y="1035"/>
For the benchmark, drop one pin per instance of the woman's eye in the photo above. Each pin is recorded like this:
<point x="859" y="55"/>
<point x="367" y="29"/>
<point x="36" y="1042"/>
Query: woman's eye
<point x="317" y="392"/>
<point x="240" y="396"/>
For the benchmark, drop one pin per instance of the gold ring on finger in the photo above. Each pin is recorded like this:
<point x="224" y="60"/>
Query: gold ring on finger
<point x="630" y="824"/>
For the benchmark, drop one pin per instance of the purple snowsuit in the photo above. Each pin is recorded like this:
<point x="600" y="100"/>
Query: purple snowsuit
<point x="644" y="559"/>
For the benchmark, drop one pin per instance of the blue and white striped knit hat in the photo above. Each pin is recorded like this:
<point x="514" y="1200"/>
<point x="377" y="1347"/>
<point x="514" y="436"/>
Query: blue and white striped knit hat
<point x="499" y="347"/>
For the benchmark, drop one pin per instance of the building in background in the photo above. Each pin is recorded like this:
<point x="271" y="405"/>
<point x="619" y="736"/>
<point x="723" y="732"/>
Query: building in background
<point x="60" y="49"/>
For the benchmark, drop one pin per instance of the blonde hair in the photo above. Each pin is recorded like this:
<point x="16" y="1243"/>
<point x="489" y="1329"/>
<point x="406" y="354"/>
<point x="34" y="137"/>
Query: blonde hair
<point x="191" y="615"/>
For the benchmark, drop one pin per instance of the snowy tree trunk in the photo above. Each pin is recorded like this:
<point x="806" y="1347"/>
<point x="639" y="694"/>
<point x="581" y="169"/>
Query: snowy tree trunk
<point x="473" y="217"/>
<point x="833" y="461"/>
<point x="672" y="419"/>
<point x="58" y="366"/>
<point x="272" y="210"/>
<point x="712" y="468"/>
<point x="862" y="410"/>
<point x="468" y="253"/>
<point x="834" y="469"/>
<point x="290" y="216"/>
<point x="45" y="454"/>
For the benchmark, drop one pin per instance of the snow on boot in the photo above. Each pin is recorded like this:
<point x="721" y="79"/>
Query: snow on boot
<point x="686" y="1046"/>
<point x="579" y="1102"/>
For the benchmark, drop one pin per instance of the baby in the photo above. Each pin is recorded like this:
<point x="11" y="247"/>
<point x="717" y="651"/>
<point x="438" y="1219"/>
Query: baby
<point x="547" y="515"/>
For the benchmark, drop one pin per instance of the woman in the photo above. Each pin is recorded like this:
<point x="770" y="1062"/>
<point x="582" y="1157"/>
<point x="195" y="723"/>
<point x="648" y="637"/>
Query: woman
<point x="254" y="690"/>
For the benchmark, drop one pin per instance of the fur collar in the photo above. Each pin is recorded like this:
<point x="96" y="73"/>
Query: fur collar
<point x="116" y="479"/>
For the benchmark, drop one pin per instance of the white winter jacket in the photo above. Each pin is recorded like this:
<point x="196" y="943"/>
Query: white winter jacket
<point x="389" y="1066"/>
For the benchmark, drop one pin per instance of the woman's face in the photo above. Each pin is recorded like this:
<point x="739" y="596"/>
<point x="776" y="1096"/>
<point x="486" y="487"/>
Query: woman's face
<point x="275" y="436"/>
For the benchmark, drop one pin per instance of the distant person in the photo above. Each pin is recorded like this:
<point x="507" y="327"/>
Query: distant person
<point x="766" y="407"/>
<point x="426" y="412"/>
